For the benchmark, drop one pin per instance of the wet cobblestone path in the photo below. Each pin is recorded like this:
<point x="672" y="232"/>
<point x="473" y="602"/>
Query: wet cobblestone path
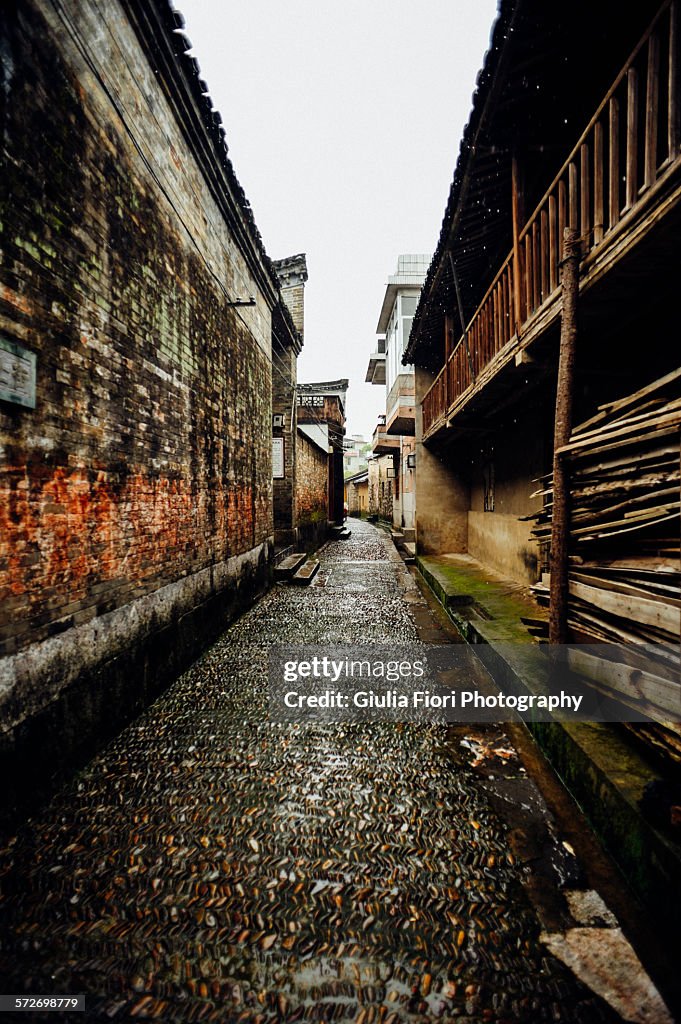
<point x="211" y="865"/>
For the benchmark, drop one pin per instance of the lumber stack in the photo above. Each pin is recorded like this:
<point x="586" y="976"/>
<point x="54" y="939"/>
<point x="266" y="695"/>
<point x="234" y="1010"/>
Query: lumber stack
<point x="624" y="526"/>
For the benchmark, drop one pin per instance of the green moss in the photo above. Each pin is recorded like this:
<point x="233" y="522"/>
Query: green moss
<point x="457" y="584"/>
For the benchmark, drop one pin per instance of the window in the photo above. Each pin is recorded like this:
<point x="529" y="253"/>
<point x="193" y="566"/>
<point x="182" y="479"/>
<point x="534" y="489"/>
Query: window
<point x="408" y="305"/>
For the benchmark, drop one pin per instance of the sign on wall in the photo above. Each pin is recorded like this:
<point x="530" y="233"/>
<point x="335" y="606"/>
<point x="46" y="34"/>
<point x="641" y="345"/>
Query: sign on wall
<point x="17" y="373"/>
<point x="278" y="458"/>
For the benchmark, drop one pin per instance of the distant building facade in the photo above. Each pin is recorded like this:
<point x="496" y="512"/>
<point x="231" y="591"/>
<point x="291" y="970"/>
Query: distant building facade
<point x="321" y="421"/>
<point x="357" y="493"/>
<point x="393" y="440"/>
<point x="355" y="449"/>
<point x="286" y="347"/>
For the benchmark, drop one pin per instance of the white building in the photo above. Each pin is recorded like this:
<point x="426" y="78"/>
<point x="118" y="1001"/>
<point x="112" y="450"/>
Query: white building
<point x="354" y="454"/>
<point x="395" y="437"/>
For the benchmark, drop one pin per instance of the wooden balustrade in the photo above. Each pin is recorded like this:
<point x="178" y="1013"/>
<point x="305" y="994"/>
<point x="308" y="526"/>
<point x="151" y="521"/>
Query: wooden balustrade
<point x="625" y="148"/>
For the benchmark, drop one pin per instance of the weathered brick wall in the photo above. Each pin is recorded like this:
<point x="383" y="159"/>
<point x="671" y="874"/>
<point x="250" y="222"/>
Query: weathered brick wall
<point x="312" y="482"/>
<point x="380" y="490"/>
<point x="287" y="341"/>
<point x="329" y="411"/>
<point x="373" y="468"/>
<point x="357" y="497"/>
<point x="283" y="402"/>
<point x="294" y="297"/>
<point x="139" y="488"/>
<point x="314" y="408"/>
<point x="292" y="274"/>
<point x="385" y="498"/>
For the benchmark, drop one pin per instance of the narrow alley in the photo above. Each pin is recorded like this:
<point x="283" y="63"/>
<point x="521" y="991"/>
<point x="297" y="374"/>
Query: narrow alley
<point x="210" y="865"/>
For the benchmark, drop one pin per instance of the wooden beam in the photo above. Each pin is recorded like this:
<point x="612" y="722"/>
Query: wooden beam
<point x="636" y="609"/>
<point x="652" y="104"/>
<point x="529" y="304"/>
<point x="517" y="204"/>
<point x="584" y="197"/>
<point x="632" y="429"/>
<point x="573" y="196"/>
<point x="614" y="163"/>
<point x="536" y="287"/>
<point x="560" y="526"/>
<point x="461" y="314"/>
<point x="674" y="118"/>
<point x="554" y="256"/>
<point x="628" y="681"/>
<point x="624" y="403"/>
<point x="632" y="138"/>
<point x="544" y="247"/>
<point x="598" y="183"/>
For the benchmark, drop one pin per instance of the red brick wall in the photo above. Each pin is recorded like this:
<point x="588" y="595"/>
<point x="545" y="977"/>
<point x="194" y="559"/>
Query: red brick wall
<point x="148" y="455"/>
<point x="312" y="482"/>
<point x="136" y="498"/>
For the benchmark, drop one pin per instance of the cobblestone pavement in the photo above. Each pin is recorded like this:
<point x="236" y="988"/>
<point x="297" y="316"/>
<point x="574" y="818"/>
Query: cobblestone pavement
<point x="210" y="865"/>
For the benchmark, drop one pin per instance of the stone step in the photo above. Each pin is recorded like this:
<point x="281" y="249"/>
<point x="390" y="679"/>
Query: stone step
<point x="306" y="573"/>
<point x="397" y="536"/>
<point x="283" y="553"/>
<point x="289" y="565"/>
<point x="410" y="548"/>
<point x="344" y="534"/>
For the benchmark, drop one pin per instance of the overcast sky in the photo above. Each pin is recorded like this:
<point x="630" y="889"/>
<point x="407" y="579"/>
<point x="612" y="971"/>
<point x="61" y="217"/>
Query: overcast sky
<point x="343" y="122"/>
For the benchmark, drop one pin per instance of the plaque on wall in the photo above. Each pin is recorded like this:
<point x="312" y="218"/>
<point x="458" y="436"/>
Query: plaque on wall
<point x="278" y="458"/>
<point x="17" y="373"/>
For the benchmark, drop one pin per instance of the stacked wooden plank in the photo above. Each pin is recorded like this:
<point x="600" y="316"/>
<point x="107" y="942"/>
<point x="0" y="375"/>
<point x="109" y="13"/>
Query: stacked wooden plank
<point x="624" y="526"/>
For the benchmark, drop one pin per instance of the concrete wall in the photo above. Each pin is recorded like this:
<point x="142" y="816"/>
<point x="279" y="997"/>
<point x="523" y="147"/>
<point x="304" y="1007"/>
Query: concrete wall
<point x="441" y="489"/>
<point x="473" y="490"/>
<point x="504" y="469"/>
<point x="136" y="498"/>
<point x="504" y="543"/>
<point x="404" y="506"/>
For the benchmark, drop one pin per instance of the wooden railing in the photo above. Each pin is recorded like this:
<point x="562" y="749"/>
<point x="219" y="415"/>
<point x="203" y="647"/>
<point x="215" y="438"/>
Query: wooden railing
<point x="630" y="143"/>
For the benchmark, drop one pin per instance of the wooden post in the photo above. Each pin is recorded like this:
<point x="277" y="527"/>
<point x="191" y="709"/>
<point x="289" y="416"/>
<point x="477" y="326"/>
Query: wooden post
<point x="631" y="190"/>
<point x="449" y="347"/>
<point x="518" y="214"/>
<point x="560" y="527"/>
<point x="673" y="119"/>
<point x="599" y="218"/>
<point x="652" y="108"/>
<point x="614" y="168"/>
<point x="461" y="315"/>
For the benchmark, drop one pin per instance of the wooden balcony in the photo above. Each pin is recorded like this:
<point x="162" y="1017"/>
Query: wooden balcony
<point x="610" y="189"/>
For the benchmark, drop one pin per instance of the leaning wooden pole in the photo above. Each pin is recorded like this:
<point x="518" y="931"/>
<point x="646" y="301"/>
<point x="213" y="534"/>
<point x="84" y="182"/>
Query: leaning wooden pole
<point x="560" y="526"/>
